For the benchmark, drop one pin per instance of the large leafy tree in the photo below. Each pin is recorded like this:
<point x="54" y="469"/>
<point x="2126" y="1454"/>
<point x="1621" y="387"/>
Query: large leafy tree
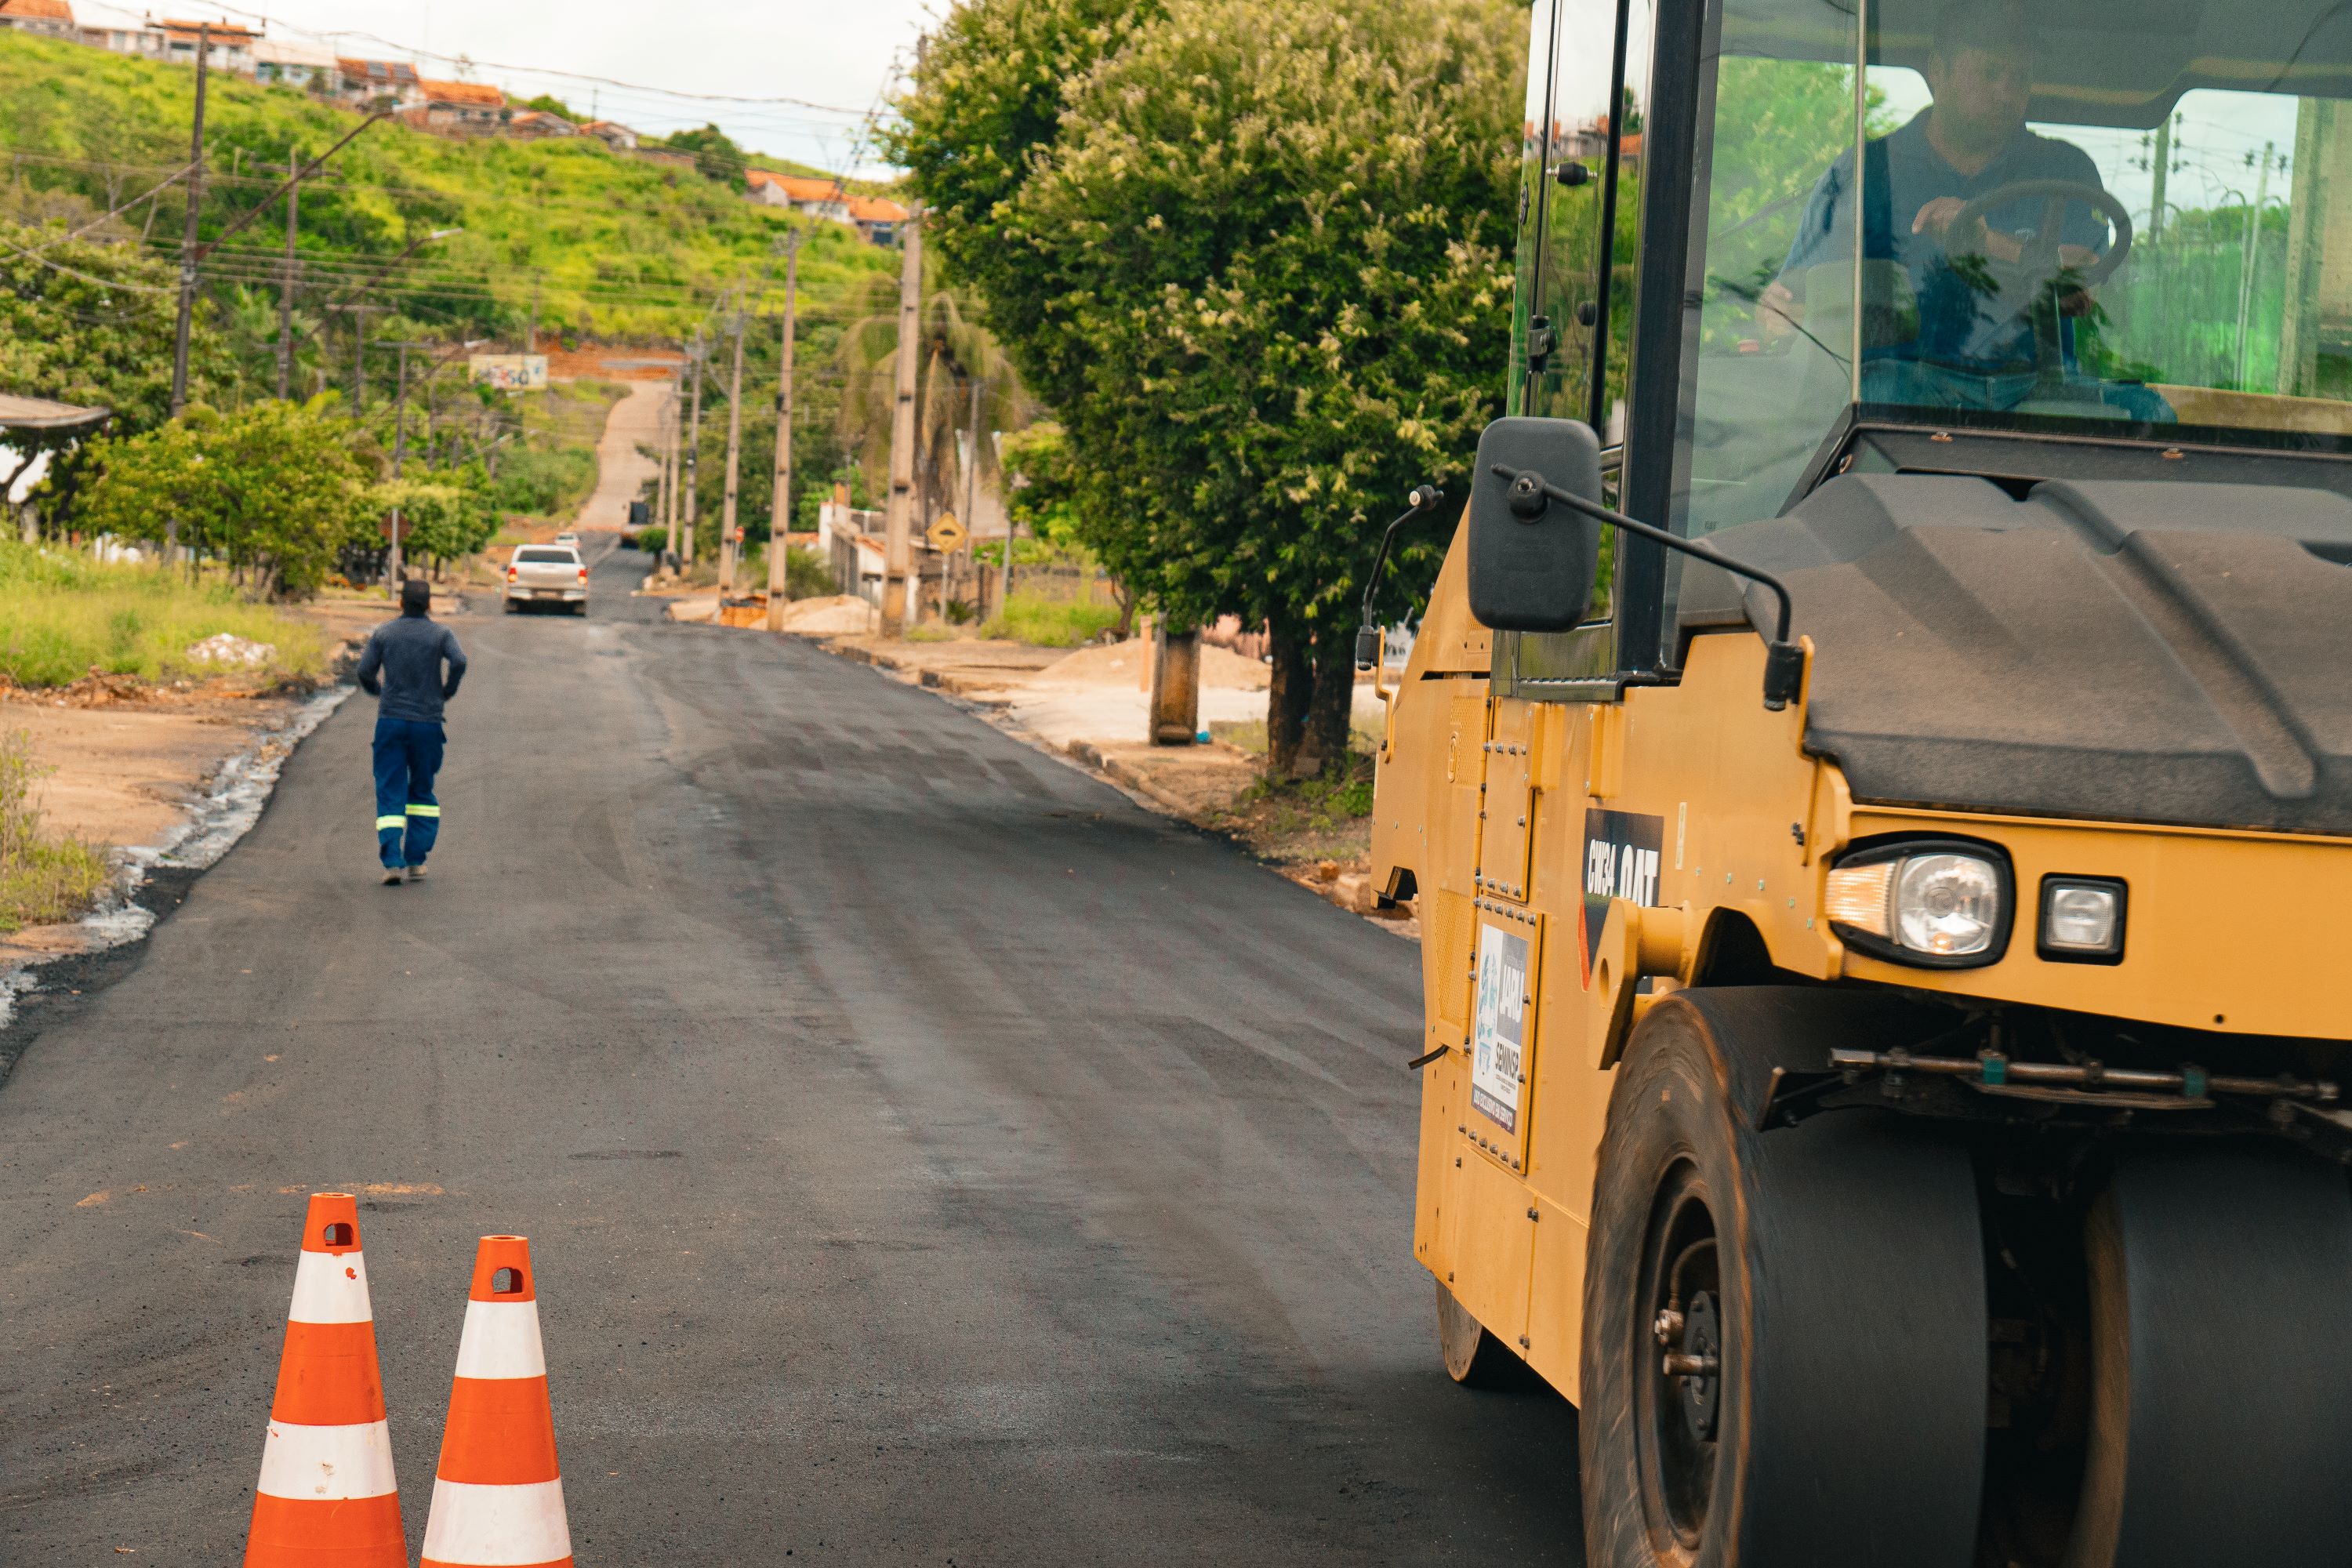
<point x="1250" y="251"/>
<point x="275" y="489"/>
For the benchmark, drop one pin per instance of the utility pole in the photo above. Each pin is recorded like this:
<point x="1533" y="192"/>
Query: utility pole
<point x="970" y="494"/>
<point x="285" y="289"/>
<point x="399" y="451"/>
<point x="530" y="332"/>
<point x="2162" y="168"/>
<point x="727" y="530"/>
<point x="188" y="235"/>
<point x="359" y="314"/>
<point x="694" y="446"/>
<point x="671" y="420"/>
<point x="780" y="505"/>
<point x="897" y="527"/>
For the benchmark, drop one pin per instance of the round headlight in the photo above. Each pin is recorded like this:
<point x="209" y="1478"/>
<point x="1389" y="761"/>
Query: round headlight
<point x="1947" y="905"/>
<point x="1941" y="903"/>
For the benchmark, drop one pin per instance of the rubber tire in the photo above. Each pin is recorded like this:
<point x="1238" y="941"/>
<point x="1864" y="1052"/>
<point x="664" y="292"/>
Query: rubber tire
<point x="579" y="607"/>
<point x="1473" y="1358"/>
<point x="2219" y="1367"/>
<point x="509" y="605"/>
<point x="1852" y="1401"/>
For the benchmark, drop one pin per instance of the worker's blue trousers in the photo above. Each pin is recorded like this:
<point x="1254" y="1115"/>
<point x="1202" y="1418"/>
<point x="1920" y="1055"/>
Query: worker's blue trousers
<point x="408" y="817"/>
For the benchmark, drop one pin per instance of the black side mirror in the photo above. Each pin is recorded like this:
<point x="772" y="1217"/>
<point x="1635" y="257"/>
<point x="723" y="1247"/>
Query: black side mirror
<point x="1532" y="560"/>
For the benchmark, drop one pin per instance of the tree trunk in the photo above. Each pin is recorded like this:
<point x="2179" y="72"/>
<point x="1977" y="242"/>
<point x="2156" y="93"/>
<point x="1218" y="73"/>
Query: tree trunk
<point x="1288" y="696"/>
<point x="1331" y="706"/>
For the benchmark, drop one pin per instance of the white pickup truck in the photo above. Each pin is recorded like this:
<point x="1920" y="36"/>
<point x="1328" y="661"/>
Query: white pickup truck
<point x="547" y="574"/>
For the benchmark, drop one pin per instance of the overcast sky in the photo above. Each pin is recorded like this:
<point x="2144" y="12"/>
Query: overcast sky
<point x="841" y="54"/>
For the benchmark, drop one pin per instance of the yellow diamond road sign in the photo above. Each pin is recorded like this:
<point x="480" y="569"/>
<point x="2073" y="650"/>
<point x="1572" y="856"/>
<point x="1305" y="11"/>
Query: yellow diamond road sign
<point x="946" y="533"/>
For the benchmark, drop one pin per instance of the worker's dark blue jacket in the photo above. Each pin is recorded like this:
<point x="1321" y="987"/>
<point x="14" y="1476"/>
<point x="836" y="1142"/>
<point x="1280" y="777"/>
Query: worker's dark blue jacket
<point x="402" y="667"/>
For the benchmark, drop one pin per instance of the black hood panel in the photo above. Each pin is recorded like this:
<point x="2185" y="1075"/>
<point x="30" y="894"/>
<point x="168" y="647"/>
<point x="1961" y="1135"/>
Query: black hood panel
<point x="2143" y="651"/>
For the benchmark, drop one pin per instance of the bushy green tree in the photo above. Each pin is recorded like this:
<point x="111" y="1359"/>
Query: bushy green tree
<point x="447" y="515"/>
<point x="1251" y="253"/>
<point x="716" y="155"/>
<point x="86" y="323"/>
<point x="275" y="489"/>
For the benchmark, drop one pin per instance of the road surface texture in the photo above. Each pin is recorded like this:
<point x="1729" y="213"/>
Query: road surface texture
<point x="928" y="1155"/>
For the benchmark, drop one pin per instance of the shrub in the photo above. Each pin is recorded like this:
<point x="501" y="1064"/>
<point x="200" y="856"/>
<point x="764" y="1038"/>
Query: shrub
<point x="42" y="880"/>
<point x="544" y="483"/>
<point x="1050" y="623"/>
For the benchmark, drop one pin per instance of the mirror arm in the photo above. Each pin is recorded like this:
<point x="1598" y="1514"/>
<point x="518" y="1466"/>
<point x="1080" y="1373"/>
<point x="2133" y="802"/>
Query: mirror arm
<point x="1424" y="498"/>
<point x="1784" y="661"/>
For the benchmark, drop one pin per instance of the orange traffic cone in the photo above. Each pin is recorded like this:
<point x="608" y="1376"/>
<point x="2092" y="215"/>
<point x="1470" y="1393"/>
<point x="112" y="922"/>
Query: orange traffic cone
<point x="498" y="1497"/>
<point x="326" y="1494"/>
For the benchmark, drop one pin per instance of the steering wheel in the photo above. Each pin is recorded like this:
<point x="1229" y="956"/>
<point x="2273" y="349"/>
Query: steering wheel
<point x="2038" y="262"/>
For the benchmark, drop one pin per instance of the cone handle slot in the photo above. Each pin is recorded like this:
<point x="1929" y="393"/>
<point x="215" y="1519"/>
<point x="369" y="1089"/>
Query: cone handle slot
<point x="507" y="1282"/>
<point x="338" y="1234"/>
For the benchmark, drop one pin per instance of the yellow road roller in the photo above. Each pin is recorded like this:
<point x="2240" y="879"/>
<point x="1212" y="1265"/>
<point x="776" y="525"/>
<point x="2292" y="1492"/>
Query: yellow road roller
<point x="1875" y="778"/>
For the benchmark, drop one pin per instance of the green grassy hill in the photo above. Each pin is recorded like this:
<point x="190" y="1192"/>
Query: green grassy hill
<point x="612" y="247"/>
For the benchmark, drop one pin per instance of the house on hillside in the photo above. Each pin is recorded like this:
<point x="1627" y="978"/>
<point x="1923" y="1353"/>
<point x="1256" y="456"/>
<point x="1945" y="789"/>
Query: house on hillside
<point x="303" y="67"/>
<point x="877" y="219"/>
<point x="459" y="109"/>
<point x="52" y="18"/>
<point x="612" y="134"/>
<point x="537" y="125"/>
<point x="818" y="198"/>
<point x="229" y="47"/>
<point x="379" y="84"/>
<point x="145" y="40"/>
<point x="872" y="217"/>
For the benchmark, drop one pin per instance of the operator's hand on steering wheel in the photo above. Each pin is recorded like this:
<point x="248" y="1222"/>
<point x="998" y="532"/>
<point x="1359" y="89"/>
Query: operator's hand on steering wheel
<point x="1777" y="310"/>
<point x="1935" y="220"/>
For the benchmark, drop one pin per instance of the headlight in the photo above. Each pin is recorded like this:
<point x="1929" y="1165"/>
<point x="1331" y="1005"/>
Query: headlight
<point x="2082" y="919"/>
<point x="1941" y="903"/>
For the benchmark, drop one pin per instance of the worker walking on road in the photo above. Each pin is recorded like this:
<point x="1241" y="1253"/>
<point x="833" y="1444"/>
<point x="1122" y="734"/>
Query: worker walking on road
<point x="402" y="670"/>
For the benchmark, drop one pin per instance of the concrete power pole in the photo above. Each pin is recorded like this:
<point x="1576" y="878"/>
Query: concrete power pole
<point x="399" y="453"/>
<point x="898" y="522"/>
<point x="695" y="351"/>
<point x="728" y="534"/>
<point x="670" y="465"/>
<point x="780" y="506"/>
<point x="188" y="235"/>
<point x="285" y="289"/>
<point x="970" y="502"/>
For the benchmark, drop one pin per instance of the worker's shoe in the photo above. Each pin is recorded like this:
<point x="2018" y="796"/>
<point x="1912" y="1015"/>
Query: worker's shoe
<point x="416" y="873"/>
<point x="391" y="876"/>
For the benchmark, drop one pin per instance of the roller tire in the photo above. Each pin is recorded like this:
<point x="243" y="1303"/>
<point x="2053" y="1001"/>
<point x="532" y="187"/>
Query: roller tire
<point x="2221" y="1376"/>
<point x="1473" y="1358"/>
<point x="1849" y="1413"/>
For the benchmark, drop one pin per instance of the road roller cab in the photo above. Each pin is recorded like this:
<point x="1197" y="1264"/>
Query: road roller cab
<point x="1875" y="775"/>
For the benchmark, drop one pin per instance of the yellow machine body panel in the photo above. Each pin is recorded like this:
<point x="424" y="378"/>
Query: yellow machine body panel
<point x="1564" y="853"/>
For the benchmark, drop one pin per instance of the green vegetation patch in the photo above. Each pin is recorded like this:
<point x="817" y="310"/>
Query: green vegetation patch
<point x="42" y="880"/>
<point x="1050" y="623"/>
<point x="63" y="615"/>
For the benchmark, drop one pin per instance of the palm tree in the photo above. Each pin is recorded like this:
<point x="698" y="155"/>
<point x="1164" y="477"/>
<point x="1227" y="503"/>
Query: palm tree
<point x="956" y="350"/>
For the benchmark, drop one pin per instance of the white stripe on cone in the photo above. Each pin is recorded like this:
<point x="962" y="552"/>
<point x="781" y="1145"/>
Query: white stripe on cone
<point x="501" y="1340"/>
<point x="330" y="1288"/>
<point x="497" y="1527"/>
<point x="308" y="1463"/>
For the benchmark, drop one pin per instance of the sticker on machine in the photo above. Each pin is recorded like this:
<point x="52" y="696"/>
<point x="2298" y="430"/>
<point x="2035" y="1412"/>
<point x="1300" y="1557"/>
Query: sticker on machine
<point x="1621" y="861"/>
<point x="1499" y="1046"/>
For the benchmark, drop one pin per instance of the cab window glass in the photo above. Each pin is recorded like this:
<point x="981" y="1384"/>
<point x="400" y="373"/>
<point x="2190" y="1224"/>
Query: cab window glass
<point x="1769" y="330"/>
<point x="2129" y="219"/>
<point x="1578" y="234"/>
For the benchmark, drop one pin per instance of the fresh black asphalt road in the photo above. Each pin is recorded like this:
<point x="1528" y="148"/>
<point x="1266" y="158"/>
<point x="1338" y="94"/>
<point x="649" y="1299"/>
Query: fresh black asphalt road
<point x="928" y="1155"/>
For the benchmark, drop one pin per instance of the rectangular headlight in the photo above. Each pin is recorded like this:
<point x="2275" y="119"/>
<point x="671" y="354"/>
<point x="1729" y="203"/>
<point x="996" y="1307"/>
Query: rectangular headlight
<point x="1941" y="903"/>
<point x="2082" y="919"/>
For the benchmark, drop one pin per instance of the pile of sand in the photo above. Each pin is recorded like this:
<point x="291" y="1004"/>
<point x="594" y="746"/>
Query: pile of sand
<point x="1128" y="664"/>
<point x="836" y="614"/>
